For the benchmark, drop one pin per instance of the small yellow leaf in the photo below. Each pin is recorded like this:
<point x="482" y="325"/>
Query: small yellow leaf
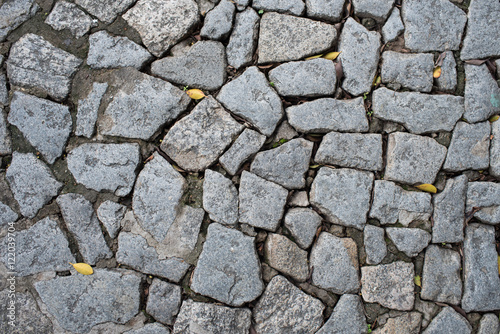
<point x="83" y="268"/>
<point x="195" y="94"/>
<point x="331" y="55"/>
<point x="313" y="57"/>
<point x="427" y="187"/>
<point x="417" y="281"/>
<point x="494" y="118"/>
<point x="437" y="72"/>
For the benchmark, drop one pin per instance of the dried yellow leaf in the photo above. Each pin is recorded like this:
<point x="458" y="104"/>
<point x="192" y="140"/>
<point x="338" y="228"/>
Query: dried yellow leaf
<point x="417" y="281"/>
<point x="437" y="72"/>
<point x="313" y="57"/>
<point x="195" y="94"/>
<point x="494" y="118"/>
<point x="83" y="268"/>
<point x="427" y="187"/>
<point x="331" y="55"/>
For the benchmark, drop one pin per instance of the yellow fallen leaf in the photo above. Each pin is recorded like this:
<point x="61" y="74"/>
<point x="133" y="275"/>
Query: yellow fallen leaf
<point x="494" y="118"/>
<point x="195" y="94"/>
<point x="417" y="281"/>
<point x="83" y="268"/>
<point x="313" y="57"/>
<point x="437" y="72"/>
<point x="427" y="187"/>
<point x="331" y="55"/>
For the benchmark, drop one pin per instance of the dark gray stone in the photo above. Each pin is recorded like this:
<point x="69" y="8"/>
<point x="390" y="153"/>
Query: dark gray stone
<point x="302" y="224"/>
<point x="248" y="143"/>
<point x="409" y="70"/>
<point x="13" y="13"/>
<point x="110" y="215"/>
<point x="448" y="320"/>
<point x="489" y="324"/>
<point x="494" y="149"/>
<point x="219" y="21"/>
<point x="408" y="322"/>
<point x="486" y="196"/>
<point x="393" y="27"/>
<point x="377" y="10"/>
<point x="220" y="198"/>
<point x="286" y="257"/>
<point x="7" y="215"/>
<point x="164" y="301"/>
<point x="105" y="10"/>
<point x="447" y="82"/>
<point x="375" y="246"/>
<point x="294" y="7"/>
<point x="482" y="94"/>
<point x="299" y="198"/>
<point x="183" y="234"/>
<point x="66" y="15"/>
<point x="348" y="317"/>
<point x="88" y="108"/>
<point x="328" y="10"/>
<point x="5" y="141"/>
<point x="243" y="40"/>
<point x="410" y="241"/>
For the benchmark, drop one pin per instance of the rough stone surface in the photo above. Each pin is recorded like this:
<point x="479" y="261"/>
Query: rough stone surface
<point x="32" y="183"/>
<point x="138" y="105"/>
<point x="486" y="196"/>
<point x="286" y="164"/>
<point x="378" y="11"/>
<point x="228" y="268"/>
<point x="409" y="70"/>
<point x="164" y="301"/>
<point x="327" y="114"/>
<point x="482" y="39"/>
<point x="285" y="38"/>
<point x="328" y="10"/>
<point x="110" y="215"/>
<point x="87" y="110"/>
<point x="37" y="65"/>
<point x="47" y="129"/>
<point x="151" y="328"/>
<point x="299" y="198"/>
<point x="107" y="295"/>
<point x="410" y="241"/>
<point x="482" y="94"/>
<point x="42" y="247"/>
<point x="448" y="320"/>
<point x="489" y="324"/>
<point x="5" y="141"/>
<point x="391" y="285"/>
<point x="447" y="82"/>
<point x="302" y="224"/>
<point x="283" y="308"/>
<point x="393" y="27"/>
<point x="481" y="281"/>
<point x="7" y="215"/>
<point x="343" y="195"/>
<point x="286" y="257"/>
<point x="162" y="24"/>
<point x="335" y="263"/>
<point x="405" y="323"/>
<point x="441" y="275"/>
<point x="13" y="13"/>
<point x="195" y="317"/>
<point x="4" y="93"/>
<point x="294" y="7"/>
<point x="439" y="29"/>
<point x="66" y="15"/>
<point x="82" y="222"/>
<point x="353" y="150"/>
<point x="375" y="246"/>
<point x="109" y="167"/>
<point x="347" y="317"/>
<point x="220" y="198"/>
<point x="419" y="113"/>
<point x="449" y="211"/>
<point x="413" y="159"/>
<point x="494" y="149"/>
<point x="203" y="66"/>
<point x="105" y="10"/>
<point x="314" y="77"/>
<point x="157" y="196"/>
<point x="360" y="55"/>
<point x="469" y="147"/>
<point x="183" y="234"/>
<point x="219" y="21"/>
<point x="247" y="144"/>
<point x="243" y="40"/>
<point x="106" y="51"/>
<point x="392" y="204"/>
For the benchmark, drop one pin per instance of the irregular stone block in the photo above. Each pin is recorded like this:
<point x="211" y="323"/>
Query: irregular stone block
<point x="66" y="15"/>
<point x="13" y="13"/>
<point x="243" y="40"/>
<point x="294" y="7"/>
<point x="494" y="149"/>
<point x="486" y="197"/>
<point x="151" y="328"/>
<point x="447" y="82"/>
<point x="7" y="215"/>
<point x="393" y="27"/>
<point x="110" y="215"/>
<point x="410" y="241"/>
<point x="4" y="93"/>
<point x="220" y="198"/>
<point x="328" y="10"/>
<point x="183" y="234"/>
<point x="409" y="70"/>
<point x="302" y="224"/>
<point x="489" y="324"/>
<point x="88" y="107"/>
<point x="29" y="319"/>
<point x="482" y="94"/>
<point x="348" y="317"/>
<point x="286" y="257"/>
<point x="375" y="246"/>
<point x="164" y="301"/>
<point x="219" y="21"/>
<point x="105" y="10"/>
<point x="378" y="11"/>
<point x="248" y="143"/>
<point x="5" y="141"/>
<point x="406" y="323"/>
<point x="448" y="319"/>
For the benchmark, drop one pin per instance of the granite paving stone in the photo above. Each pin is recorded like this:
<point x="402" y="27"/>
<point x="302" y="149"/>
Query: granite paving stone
<point x="393" y="27"/>
<point x="489" y="324"/>
<point x="105" y="10"/>
<point x="4" y="93"/>
<point x="410" y="241"/>
<point x="7" y="215"/>
<point x="486" y="197"/>
<point x="482" y="94"/>
<point x="375" y="246"/>
<point x="219" y="21"/>
<point x="248" y="143"/>
<point x="299" y="198"/>
<point x="408" y="70"/>
<point x="164" y="301"/>
<point x="378" y="11"/>
<point x="66" y="15"/>
<point x="5" y="141"/>
<point x="328" y="10"/>
<point x="348" y="316"/>
<point x="286" y="257"/>
<point x="220" y="198"/>
<point x="494" y="149"/>
<point x="302" y="224"/>
<point x="243" y="40"/>
<point x="151" y="328"/>
<point x="447" y="82"/>
<point x="88" y="108"/>
<point x="13" y="13"/>
<point x="448" y="319"/>
<point x="183" y="234"/>
<point x="110" y="215"/>
<point x="293" y="7"/>
<point x="408" y="322"/>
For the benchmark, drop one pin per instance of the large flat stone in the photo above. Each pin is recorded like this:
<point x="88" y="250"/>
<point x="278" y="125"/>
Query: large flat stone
<point x="328" y="10"/>
<point x="164" y="301"/>
<point x="489" y="324"/>
<point x="88" y="108"/>
<point x="374" y="242"/>
<point x="410" y="241"/>
<point x="486" y="197"/>
<point x="302" y="224"/>
<point x="105" y="10"/>
<point x="482" y="94"/>
<point x="348" y="317"/>
<point x="13" y="13"/>
<point x="409" y="70"/>
<point x="286" y="257"/>
<point x="220" y="198"/>
<point x="66" y="15"/>
<point x="243" y="40"/>
<point x="219" y="21"/>
<point x="448" y="319"/>
<point x="378" y="11"/>
<point x="248" y="143"/>
<point x="393" y="27"/>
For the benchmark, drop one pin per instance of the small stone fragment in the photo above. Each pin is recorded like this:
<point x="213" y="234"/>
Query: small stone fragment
<point x="293" y="7"/>
<point x="13" y="13"/>
<point x="110" y="215"/>
<point x="105" y="10"/>
<point x="4" y="93"/>
<point x="243" y="40"/>
<point x="302" y="224"/>
<point x="375" y="246"/>
<point x="183" y="234"/>
<point x="482" y="94"/>
<point x="7" y="215"/>
<point x="88" y="109"/>
<point x="348" y="317"/>
<point x="378" y="11"/>
<point x="405" y="323"/>
<point x="409" y="70"/>
<point x="410" y="241"/>
<point x="219" y="21"/>
<point x="448" y="319"/>
<point x="5" y="141"/>
<point x="489" y="324"/>
<point x="164" y="301"/>
<point x="248" y="143"/>
<point x="299" y="198"/>
<point x="286" y="257"/>
<point x="447" y="82"/>
<point x="220" y="198"/>
<point x="66" y="15"/>
<point x="494" y="149"/>
<point x="393" y="27"/>
<point x="486" y="197"/>
<point x="328" y="10"/>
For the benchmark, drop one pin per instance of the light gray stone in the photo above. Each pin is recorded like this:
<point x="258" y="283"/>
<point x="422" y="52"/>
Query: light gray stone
<point x="285" y="131"/>
<point x="448" y="320"/>
<point x="294" y="7"/>
<point x="285" y="38"/>
<point x="375" y="246"/>
<point x="183" y="234"/>
<point x="489" y="324"/>
<point x="469" y="147"/>
<point x="439" y="29"/>
<point x="151" y="328"/>
<point x="427" y="309"/>
<point x="138" y="105"/>
<point x="134" y="251"/>
<point x="66" y="15"/>
<point x="42" y="247"/>
<point x="299" y="198"/>
<point x="251" y="97"/>
<point x="7" y="215"/>
<point x="284" y="308"/>
<point x="392" y="204"/>
<point x="441" y="275"/>
<point x="109" y="167"/>
<point x="219" y="21"/>
<point x="196" y="317"/>
<point x="37" y="65"/>
<point x="393" y="27"/>
<point x="220" y="198"/>
<point x="406" y="323"/>
<point x="164" y="301"/>
<point x="5" y="141"/>
<point x="334" y="264"/>
<point x="409" y="70"/>
<point x="45" y="124"/>
<point x="4" y="93"/>
<point x="248" y="143"/>
<point x="342" y="195"/>
<point x="107" y="295"/>
<point x="353" y="150"/>
<point x="162" y="24"/>
<point x="486" y="197"/>
<point x="243" y="40"/>
<point x="205" y="6"/>
<point x="105" y="10"/>
<point x="494" y="149"/>
<point x="302" y="224"/>
<point x="157" y="196"/>
<point x="82" y="222"/>
<point x="447" y="82"/>
<point x="228" y="268"/>
<point x="286" y="257"/>
<point x="13" y="13"/>
<point x="285" y="164"/>
<point x="241" y="4"/>
<point x="203" y="66"/>
<point x="88" y="107"/>
<point x="107" y="51"/>
<point x="360" y="53"/>
<point x="449" y="211"/>
<point x="391" y="285"/>
<point x="328" y="10"/>
<point x="110" y="215"/>
<point x="413" y="159"/>
<point x="482" y="39"/>
<point x="482" y="94"/>
<point x="327" y="114"/>
<point x="410" y="241"/>
<point x="197" y="140"/>
<point x="419" y="113"/>
<point x="31" y="182"/>
<point x="481" y="281"/>
<point x="348" y="317"/>
<point x="377" y="10"/>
